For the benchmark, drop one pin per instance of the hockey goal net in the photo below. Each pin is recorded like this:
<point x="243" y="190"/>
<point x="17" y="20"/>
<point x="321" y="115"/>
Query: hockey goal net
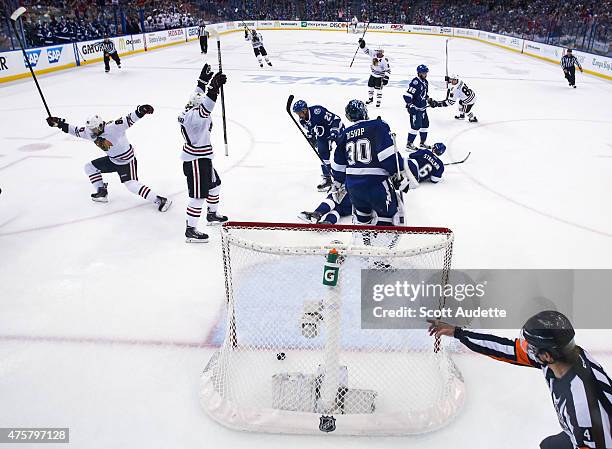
<point x="295" y="358"/>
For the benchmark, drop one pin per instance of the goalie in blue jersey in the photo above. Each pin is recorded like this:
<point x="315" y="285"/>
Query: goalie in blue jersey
<point x="367" y="165"/>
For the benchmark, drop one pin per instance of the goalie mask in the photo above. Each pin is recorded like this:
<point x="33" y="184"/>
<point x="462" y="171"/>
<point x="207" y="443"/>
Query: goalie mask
<point x="95" y="124"/>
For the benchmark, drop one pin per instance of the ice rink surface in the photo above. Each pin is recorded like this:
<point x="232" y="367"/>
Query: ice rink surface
<point x="105" y="312"/>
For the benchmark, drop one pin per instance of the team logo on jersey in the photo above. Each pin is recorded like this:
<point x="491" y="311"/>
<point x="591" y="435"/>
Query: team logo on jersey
<point x="103" y="144"/>
<point x="54" y="54"/>
<point x="327" y="424"/>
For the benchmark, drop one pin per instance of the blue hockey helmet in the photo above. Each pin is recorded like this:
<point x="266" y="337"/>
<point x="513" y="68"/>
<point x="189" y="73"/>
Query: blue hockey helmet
<point x="299" y="105"/>
<point x="356" y="110"/>
<point x="422" y="69"/>
<point x="438" y="149"/>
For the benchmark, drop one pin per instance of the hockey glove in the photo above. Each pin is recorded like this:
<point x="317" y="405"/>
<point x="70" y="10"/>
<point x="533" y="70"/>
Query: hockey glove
<point x="55" y="122"/>
<point x="400" y="183"/>
<point x="143" y="110"/>
<point x="205" y="75"/>
<point x="218" y="80"/>
<point x="333" y="134"/>
<point x="433" y="103"/>
<point x="411" y="108"/>
<point x="362" y="43"/>
<point x="246" y="34"/>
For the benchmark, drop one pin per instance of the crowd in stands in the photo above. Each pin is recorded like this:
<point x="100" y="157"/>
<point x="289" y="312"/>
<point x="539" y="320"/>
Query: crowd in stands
<point x="578" y="22"/>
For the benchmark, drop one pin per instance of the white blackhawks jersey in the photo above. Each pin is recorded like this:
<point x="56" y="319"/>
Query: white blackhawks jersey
<point x="379" y="66"/>
<point x="461" y="92"/>
<point x="113" y="140"/>
<point x="256" y="41"/>
<point x="196" y="125"/>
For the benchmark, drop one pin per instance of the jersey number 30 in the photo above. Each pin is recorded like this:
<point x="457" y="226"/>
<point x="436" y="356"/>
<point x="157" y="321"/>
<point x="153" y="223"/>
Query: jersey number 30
<point x="360" y="151"/>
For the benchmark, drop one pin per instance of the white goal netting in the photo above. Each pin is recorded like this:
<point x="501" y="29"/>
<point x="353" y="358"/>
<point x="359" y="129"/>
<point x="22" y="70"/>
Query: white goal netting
<point x="295" y="358"/>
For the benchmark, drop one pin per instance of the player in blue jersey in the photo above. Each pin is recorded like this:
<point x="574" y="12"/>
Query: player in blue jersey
<point x="416" y="103"/>
<point x="364" y="159"/>
<point x="329" y="211"/>
<point x="322" y="128"/>
<point x="426" y="165"/>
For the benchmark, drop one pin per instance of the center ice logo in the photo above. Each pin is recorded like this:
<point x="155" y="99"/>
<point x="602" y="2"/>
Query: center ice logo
<point x="33" y="57"/>
<point x="54" y="54"/>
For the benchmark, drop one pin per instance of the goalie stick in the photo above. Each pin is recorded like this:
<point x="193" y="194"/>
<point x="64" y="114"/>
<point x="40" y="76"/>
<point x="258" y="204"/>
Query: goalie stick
<point x="459" y="162"/>
<point x="16" y="14"/>
<point x="362" y="36"/>
<point x="400" y="194"/>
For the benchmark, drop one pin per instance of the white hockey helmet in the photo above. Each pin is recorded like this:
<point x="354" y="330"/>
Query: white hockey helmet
<point x="379" y="52"/>
<point x="452" y="77"/>
<point x="195" y="100"/>
<point x="95" y="124"/>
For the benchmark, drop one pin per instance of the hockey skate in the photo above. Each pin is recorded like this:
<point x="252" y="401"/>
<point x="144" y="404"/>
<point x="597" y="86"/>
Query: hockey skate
<point x="310" y="217"/>
<point x="325" y="185"/>
<point x="101" y="196"/>
<point x="424" y="146"/>
<point x="269" y="63"/>
<point x="163" y="204"/>
<point x="473" y="119"/>
<point x="411" y="147"/>
<point x="370" y="101"/>
<point x="261" y="64"/>
<point x="460" y="116"/>
<point x="213" y="218"/>
<point x="192" y="235"/>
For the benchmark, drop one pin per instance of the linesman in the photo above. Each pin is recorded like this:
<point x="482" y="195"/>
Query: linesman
<point x="569" y="63"/>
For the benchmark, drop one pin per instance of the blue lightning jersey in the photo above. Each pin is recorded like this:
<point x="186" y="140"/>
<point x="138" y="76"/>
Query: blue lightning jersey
<point x="425" y="165"/>
<point x="417" y="93"/>
<point x="365" y="154"/>
<point x="322" y="123"/>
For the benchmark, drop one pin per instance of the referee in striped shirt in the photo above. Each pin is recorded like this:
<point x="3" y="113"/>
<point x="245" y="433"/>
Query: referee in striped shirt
<point x="109" y="50"/>
<point x="569" y="63"/>
<point x="203" y="34"/>
<point x="580" y="388"/>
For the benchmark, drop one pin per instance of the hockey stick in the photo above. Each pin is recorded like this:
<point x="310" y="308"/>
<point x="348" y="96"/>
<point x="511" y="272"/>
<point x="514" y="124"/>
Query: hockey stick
<point x="446" y="77"/>
<point x="246" y="26"/>
<point x="362" y="36"/>
<point x="459" y="162"/>
<point x="400" y="194"/>
<point x="16" y="14"/>
<point x="289" y="103"/>
<point x="222" y="98"/>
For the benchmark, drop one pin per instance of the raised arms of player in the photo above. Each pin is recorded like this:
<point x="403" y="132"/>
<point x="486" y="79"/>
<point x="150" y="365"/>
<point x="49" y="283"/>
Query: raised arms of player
<point x="498" y="348"/>
<point x="120" y="124"/>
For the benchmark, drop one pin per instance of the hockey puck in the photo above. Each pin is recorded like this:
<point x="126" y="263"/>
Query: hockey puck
<point x="280" y="356"/>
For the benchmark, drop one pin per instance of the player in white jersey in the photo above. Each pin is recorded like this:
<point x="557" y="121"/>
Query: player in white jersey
<point x="354" y="24"/>
<point x="110" y="137"/>
<point x="203" y="181"/>
<point x="258" y="47"/>
<point x="380" y="71"/>
<point x="459" y="91"/>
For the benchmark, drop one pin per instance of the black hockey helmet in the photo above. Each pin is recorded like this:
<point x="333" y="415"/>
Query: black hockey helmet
<point x="549" y="331"/>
